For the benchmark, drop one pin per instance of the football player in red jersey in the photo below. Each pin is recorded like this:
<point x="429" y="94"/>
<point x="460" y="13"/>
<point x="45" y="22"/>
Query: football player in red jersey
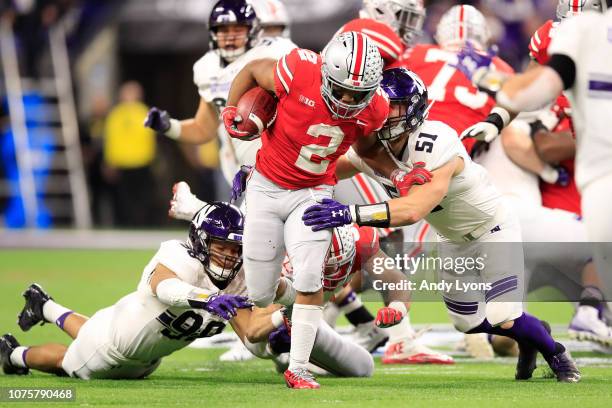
<point x="393" y="25"/>
<point x="455" y="100"/>
<point x="326" y="104"/>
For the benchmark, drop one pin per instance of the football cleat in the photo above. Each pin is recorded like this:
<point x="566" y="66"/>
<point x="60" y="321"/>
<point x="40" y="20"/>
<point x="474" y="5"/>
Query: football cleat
<point x="370" y="337"/>
<point x="32" y="313"/>
<point x="564" y="367"/>
<point x="300" y="379"/>
<point x="477" y="345"/>
<point x="587" y="325"/>
<point x="409" y="351"/>
<point x="184" y="204"/>
<point x="527" y="358"/>
<point x="8" y="343"/>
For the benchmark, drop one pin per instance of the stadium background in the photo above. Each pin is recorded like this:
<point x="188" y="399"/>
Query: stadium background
<point x="121" y="211"/>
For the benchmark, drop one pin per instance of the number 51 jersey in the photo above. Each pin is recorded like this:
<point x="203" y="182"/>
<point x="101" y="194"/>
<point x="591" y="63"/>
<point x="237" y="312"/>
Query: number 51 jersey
<point x="301" y="148"/>
<point x="145" y="329"/>
<point x="471" y="200"/>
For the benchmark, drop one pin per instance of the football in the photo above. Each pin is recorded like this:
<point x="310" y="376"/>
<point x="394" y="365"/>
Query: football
<point x="257" y="107"/>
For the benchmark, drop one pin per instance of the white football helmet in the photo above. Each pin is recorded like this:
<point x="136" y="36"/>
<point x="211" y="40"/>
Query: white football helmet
<point x="462" y="23"/>
<point x="406" y="17"/>
<point x="569" y="8"/>
<point x="351" y="62"/>
<point x="272" y="13"/>
<point x="340" y="258"/>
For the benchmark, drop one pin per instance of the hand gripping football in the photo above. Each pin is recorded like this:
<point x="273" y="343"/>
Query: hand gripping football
<point x="257" y="108"/>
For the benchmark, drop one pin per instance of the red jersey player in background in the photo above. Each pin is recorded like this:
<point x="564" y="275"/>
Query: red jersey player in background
<point x="455" y="100"/>
<point x="326" y="104"/>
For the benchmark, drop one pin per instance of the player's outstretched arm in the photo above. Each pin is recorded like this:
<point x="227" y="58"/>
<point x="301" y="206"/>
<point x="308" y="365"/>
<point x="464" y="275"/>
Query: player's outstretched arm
<point x="554" y="147"/>
<point x="531" y="90"/>
<point x="256" y="73"/>
<point x="423" y="198"/>
<point x="262" y="322"/>
<point x="173" y="291"/>
<point x="200" y="129"/>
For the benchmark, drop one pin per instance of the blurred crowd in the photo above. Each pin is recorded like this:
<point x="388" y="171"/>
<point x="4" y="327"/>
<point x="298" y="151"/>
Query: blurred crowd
<point x="130" y="170"/>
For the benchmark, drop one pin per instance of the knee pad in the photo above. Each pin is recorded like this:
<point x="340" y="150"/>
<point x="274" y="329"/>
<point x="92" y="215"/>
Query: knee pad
<point x="501" y="312"/>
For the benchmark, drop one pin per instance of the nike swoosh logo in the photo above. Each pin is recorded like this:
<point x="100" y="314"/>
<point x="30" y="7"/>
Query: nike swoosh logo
<point x="361" y="123"/>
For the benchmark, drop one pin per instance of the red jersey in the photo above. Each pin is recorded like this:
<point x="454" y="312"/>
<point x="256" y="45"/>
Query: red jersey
<point x="301" y="148"/>
<point x="456" y="101"/>
<point x="388" y="42"/>
<point x="553" y="195"/>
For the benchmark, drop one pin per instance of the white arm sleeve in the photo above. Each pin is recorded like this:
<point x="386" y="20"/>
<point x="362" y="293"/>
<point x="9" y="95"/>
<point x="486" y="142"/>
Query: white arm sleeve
<point x="540" y="92"/>
<point x="175" y="292"/>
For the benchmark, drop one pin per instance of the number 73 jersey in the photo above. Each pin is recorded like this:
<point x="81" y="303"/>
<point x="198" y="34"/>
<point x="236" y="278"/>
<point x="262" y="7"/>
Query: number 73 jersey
<point x="301" y="148"/>
<point x="457" y="102"/>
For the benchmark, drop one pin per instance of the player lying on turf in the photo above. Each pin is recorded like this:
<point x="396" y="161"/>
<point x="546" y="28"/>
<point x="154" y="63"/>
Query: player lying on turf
<point x="353" y="249"/>
<point x="471" y="220"/>
<point x="187" y="291"/>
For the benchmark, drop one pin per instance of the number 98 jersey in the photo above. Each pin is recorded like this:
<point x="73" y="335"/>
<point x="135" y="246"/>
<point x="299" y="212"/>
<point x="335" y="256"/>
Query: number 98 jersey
<point x="301" y="148"/>
<point x="144" y="329"/>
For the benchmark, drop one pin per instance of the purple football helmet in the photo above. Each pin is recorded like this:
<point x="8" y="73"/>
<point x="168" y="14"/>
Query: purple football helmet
<point x="406" y="88"/>
<point x="232" y="12"/>
<point x="222" y="222"/>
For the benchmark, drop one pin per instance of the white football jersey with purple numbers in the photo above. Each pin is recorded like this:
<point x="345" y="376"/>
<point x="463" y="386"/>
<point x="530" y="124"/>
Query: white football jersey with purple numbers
<point x="587" y="40"/>
<point x="471" y="200"/>
<point x="214" y="80"/>
<point x="145" y="329"/>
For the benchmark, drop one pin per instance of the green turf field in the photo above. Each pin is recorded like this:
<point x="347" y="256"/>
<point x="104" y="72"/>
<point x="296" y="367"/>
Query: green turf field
<point x="89" y="280"/>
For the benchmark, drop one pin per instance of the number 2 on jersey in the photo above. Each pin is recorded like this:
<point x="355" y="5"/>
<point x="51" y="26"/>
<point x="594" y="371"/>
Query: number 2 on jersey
<point x="304" y="160"/>
<point x="438" y="88"/>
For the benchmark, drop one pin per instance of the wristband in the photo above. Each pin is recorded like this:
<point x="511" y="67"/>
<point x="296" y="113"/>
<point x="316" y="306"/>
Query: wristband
<point x="174" y="132"/>
<point x="498" y="117"/>
<point x="372" y="215"/>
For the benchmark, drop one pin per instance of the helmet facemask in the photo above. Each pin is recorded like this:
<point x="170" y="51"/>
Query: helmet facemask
<point x="230" y="55"/>
<point x="215" y="239"/>
<point x="409" y="20"/>
<point x="332" y="92"/>
<point x="227" y="13"/>
<point x="408" y="104"/>
<point x="340" y="258"/>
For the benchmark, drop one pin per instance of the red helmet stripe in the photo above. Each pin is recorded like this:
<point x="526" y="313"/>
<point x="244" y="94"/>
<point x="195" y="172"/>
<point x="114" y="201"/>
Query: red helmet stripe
<point x="359" y="51"/>
<point x="575" y="5"/>
<point x="461" y="11"/>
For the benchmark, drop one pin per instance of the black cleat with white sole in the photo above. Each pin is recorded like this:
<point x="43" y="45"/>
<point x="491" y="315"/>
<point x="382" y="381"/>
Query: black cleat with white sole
<point x="32" y="313"/>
